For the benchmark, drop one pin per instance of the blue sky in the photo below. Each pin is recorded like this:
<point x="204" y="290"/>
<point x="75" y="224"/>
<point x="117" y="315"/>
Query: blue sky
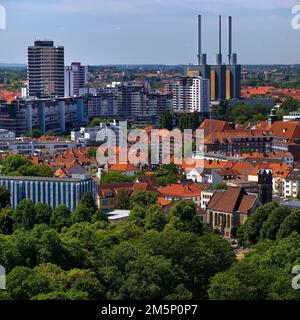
<point x="150" y="31"/>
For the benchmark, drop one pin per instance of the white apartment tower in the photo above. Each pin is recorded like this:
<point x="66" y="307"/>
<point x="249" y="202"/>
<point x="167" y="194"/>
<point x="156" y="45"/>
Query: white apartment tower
<point x="191" y="94"/>
<point x="75" y="78"/>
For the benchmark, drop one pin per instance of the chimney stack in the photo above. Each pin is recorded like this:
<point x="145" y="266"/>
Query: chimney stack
<point x="218" y="59"/>
<point x="229" y="39"/>
<point x="201" y="56"/>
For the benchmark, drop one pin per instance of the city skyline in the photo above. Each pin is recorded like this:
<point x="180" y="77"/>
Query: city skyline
<point x="148" y="32"/>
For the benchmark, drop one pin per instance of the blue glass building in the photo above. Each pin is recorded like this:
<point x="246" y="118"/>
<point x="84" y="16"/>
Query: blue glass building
<point x="51" y="191"/>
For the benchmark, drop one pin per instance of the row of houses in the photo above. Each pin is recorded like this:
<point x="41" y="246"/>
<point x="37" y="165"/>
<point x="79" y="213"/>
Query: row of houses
<point x="277" y="137"/>
<point x="223" y="210"/>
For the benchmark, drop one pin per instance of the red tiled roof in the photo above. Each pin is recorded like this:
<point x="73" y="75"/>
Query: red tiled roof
<point x="279" y="170"/>
<point x="124" y="168"/>
<point x="288" y="130"/>
<point x="183" y="190"/>
<point x="212" y="125"/>
<point x="227" y="136"/>
<point x="234" y="199"/>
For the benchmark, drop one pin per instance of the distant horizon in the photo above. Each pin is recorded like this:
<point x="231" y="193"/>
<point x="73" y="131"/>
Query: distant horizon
<point x="153" y="64"/>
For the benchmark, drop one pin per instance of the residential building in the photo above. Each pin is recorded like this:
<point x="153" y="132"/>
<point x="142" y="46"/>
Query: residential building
<point x="286" y="138"/>
<point x="51" y="191"/>
<point x="107" y="194"/>
<point x="204" y="176"/>
<point x="293" y="116"/>
<point x="292" y="184"/>
<point x="46" y="70"/>
<point x="88" y="135"/>
<point x="76" y="77"/>
<point x="238" y="142"/>
<point x="191" y="94"/>
<point x="187" y="191"/>
<point x="280" y="172"/>
<point x="39" y="146"/>
<point x="213" y="125"/>
<point x="56" y="114"/>
<point x="256" y="158"/>
<point x="6" y="135"/>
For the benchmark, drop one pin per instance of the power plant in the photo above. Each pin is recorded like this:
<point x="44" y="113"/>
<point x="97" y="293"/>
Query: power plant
<point x="225" y="79"/>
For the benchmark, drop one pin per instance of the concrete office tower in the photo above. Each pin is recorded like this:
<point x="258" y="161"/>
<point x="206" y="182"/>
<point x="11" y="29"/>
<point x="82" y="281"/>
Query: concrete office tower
<point x="191" y="94"/>
<point x="76" y="76"/>
<point x="234" y="70"/>
<point x="45" y="70"/>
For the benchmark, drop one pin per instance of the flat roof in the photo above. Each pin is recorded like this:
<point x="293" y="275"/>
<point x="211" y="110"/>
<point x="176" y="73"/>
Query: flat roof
<point x="23" y="178"/>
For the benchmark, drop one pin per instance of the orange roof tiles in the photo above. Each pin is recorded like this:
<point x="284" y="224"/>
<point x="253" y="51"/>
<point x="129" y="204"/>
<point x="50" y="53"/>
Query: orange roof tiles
<point x="212" y="125"/>
<point x="227" y="136"/>
<point x="279" y="170"/>
<point x="124" y="168"/>
<point x="288" y="130"/>
<point x="183" y="191"/>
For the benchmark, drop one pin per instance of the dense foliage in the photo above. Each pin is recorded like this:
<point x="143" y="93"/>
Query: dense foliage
<point x="16" y="165"/>
<point x="55" y="254"/>
<point x="242" y="113"/>
<point x="273" y="232"/>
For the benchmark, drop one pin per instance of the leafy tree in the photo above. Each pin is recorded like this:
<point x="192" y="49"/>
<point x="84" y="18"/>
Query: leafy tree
<point x="81" y="214"/>
<point x="221" y="186"/>
<point x="115" y="177"/>
<point x="89" y="201"/>
<point x="150" y="277"/>
<point x="23" y="283"/>
<point x="99" y="215"/>
<point x="241" y="282"/>
<point x="141" y="198"/>
<point x="166" y="120"/>
<point x="183" y="217"/>
<point x="167" y="174"/>
<point x="122" y="200"/>
<point x="155" y="218"/>
<point x="92" y="152"/>
<point x="137" y="215"/>
<point x="6" y="223"/>
<point x="61" y="217"/>
<point x="249" y="232"/>
<point x="4" y="197"/>
<point x="43" y="213"/>
<point x="271" y="226"/>
<point x="16" y="165"/>
<point x="180" y="293"/>
<point x="24" y="215"/>
<point x="290" y="224"/>
<point x="4" y="296"/>
<point x="85" y="281"/>
<point x="53" y="296"/>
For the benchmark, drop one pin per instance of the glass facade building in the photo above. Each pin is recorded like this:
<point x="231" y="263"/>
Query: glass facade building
<point x="51" y="191"/>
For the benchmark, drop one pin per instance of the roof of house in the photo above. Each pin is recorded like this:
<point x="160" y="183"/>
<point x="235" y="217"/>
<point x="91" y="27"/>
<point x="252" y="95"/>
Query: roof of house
<point x="124" y="168"/>
<point x="234" y="199"/>
<point x="227" y="136"/>
<point x="288" y="130"/>
<point x="183" y="190"/>
<point x="213" y="125"/>
<point x="294" y="174"/>
<point x="279" y="170"/>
